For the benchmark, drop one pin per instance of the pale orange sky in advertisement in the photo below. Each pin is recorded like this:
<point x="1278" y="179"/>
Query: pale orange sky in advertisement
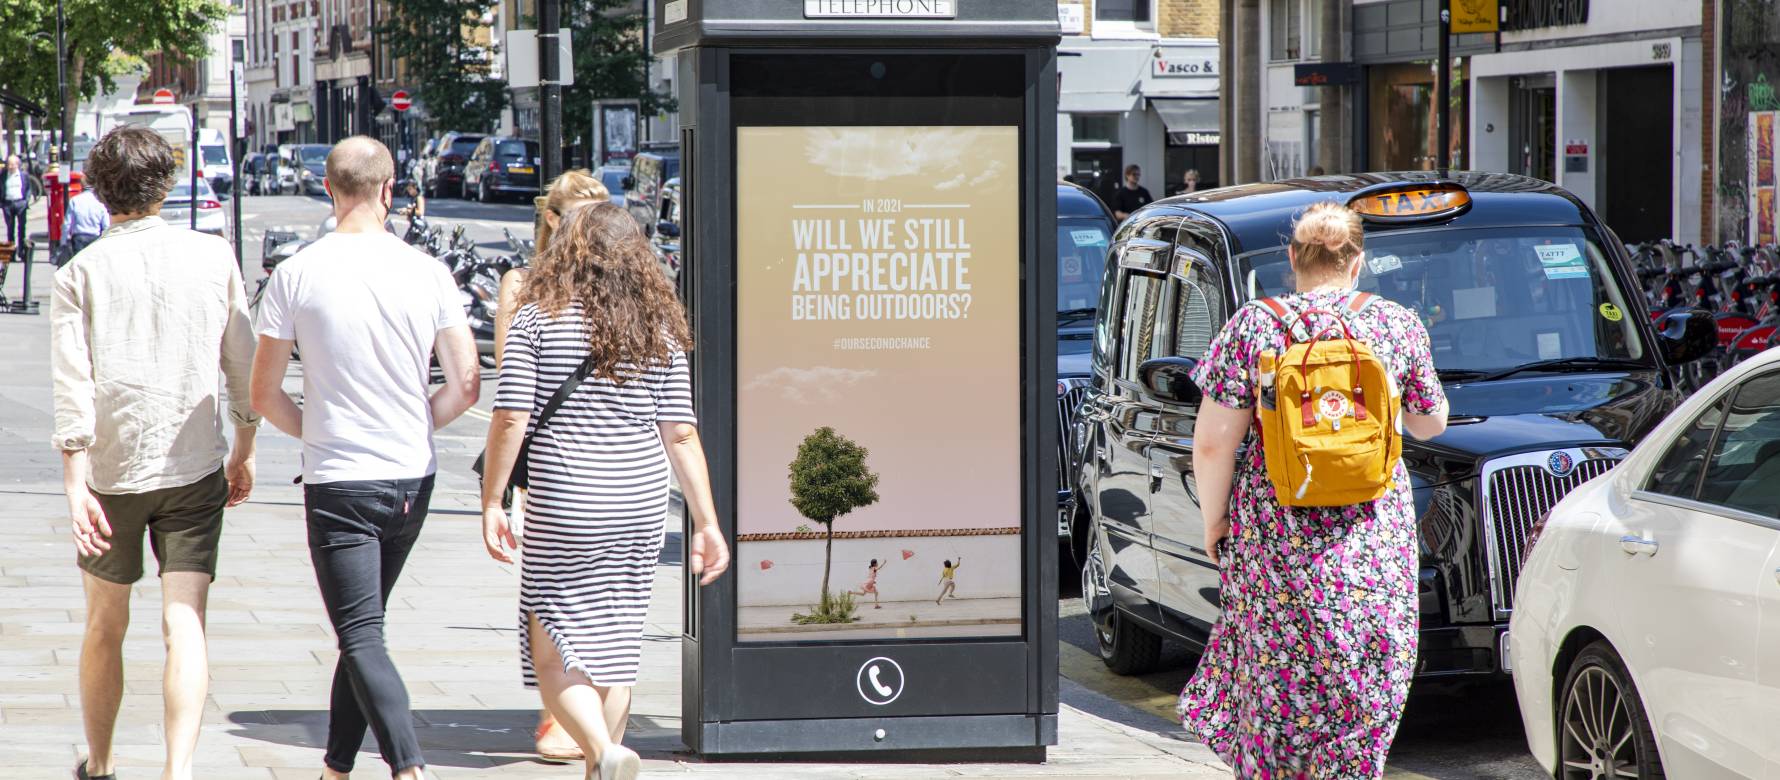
<point x="878" y="293"/>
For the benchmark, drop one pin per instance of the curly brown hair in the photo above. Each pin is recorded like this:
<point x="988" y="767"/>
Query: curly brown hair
<point x="131" y="169"/>
<point x="600" y="261"/>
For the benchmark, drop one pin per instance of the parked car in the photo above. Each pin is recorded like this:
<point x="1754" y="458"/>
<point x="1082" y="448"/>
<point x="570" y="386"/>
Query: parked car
<point x="212" y="217"/>
<point x="1537" y="328"/>
<point x="310" y="162"/>
<point x="1084" y="231"/>
<point x="649" y="172"/>
<point x="213" y="161"/>
<point x="613" y="177"/>
<point x="502" y="166"/>
<point x="668" y="228"/>
<point x="1646" y="631"/>
<point x="257" y="177"/>
<point x="445" y="169"/>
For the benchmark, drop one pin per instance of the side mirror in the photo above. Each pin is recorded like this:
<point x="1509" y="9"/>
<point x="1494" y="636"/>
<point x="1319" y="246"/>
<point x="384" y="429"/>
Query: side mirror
<point x="1170" y="380"/>
<point x="1687" y="336"/>
<point x="629" y="183"/>
<point x="667" y="229"/>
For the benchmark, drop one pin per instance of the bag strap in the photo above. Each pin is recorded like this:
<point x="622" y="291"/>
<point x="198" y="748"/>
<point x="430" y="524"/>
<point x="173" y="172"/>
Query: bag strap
<point x="563" y="391"/>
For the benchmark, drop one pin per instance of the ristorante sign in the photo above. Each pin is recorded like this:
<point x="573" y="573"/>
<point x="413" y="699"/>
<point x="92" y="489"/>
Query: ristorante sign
<point x="1529" y="14"/>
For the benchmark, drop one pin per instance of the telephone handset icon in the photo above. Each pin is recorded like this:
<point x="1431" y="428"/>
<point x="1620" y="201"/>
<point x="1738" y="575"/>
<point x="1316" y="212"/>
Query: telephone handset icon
<point x="882" y="689"/>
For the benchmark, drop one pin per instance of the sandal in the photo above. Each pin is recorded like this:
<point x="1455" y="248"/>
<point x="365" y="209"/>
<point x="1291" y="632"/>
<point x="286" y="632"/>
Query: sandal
<point x="80" y="773"/>
<point x="571" y="752"/>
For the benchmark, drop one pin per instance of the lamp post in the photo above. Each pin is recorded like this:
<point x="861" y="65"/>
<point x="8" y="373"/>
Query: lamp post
<point x="67" y="123"/>
<point x="549" y="90"/>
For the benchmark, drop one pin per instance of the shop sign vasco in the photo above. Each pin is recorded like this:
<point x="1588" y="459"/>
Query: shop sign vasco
<point x="1179" y="63"/>
<point x="880" y="9"/>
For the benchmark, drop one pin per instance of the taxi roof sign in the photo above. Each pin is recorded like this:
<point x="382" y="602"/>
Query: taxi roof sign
<point x="1404" y="202"/>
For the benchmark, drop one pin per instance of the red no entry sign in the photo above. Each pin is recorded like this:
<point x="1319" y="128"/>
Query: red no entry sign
<point x="163" y="97"/>
<point x="399" y="101"/>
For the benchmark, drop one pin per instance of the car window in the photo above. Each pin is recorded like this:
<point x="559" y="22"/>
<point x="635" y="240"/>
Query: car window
<point x="512" y="151"/>
<point x="1081" y="256"/>
<point x="613" y="179"/>
<point x="1744" y="472"/>
<point x="1491" y="298"/>
<point x="1198" y="305"/>
<point x="464" y="146"/>
<point x="1678" y="473"/>
<point x="215" y="155"/>
<point x="1137" y="339"/>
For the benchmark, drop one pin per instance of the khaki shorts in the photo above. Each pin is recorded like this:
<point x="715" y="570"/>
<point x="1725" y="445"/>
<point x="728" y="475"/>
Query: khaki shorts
<point x="184" y="526"/>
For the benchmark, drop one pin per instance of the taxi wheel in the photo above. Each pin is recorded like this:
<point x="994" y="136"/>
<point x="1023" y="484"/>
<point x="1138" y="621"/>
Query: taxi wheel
<point x="1602" y="729"/>
<point x="1125" y="647"/>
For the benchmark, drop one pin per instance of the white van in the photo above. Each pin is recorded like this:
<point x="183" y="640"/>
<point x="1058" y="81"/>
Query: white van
<point x="174" y="123"/>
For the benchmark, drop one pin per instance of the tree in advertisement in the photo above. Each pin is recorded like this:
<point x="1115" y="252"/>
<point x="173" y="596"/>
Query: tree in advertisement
<point x="829" y="478"/>
<point x="609" y="61"/>
<point x="448" y="58"/>
<point x="105" y="38"/>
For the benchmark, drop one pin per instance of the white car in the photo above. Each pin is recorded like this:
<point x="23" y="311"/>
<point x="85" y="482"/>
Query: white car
<point x="212" y="217"/>
<point x="1645" y="638"/>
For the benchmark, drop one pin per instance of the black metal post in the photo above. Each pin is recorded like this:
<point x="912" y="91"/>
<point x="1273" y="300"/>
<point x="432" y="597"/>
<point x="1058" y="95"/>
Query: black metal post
<point x="67" y="123"/>
<point x="1443" y="89"/>
<point x="235" y="165"/>
<point x="195" y="152"/>
<point x="549" y="90"/>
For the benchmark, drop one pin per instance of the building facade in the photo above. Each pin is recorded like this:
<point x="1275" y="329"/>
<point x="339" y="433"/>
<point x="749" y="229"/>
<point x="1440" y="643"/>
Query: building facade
<point x="1138" y="85"/>
<point x="204" y="81"/>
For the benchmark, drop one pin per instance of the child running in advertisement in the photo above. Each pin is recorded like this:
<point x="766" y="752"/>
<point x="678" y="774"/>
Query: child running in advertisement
<point x="946" y="582"/>
<point x="871" y="583"/>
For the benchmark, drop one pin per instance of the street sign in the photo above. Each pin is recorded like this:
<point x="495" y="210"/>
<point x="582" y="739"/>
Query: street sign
<point x="162" y="97"/>
<point x="399" y="100"/>
<point x="522" y="58"/>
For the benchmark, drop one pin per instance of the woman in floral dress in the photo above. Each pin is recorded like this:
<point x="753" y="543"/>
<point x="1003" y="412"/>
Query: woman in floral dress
<point x="1307" y="670"/>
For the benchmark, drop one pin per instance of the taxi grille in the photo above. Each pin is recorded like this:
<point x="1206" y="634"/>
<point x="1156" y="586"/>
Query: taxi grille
<point x="1518" y="497"/>
<point x="1069" y="408"/>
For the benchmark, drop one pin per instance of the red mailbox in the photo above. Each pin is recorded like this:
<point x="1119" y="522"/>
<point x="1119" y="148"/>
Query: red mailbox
<point x="59" y="195"/>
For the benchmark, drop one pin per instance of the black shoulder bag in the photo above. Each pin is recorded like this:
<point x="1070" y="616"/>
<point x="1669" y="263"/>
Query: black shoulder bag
<point x="519" y="477"/>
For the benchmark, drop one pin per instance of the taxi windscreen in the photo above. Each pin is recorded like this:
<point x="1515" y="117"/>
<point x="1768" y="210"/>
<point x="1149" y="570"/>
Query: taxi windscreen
<point x="1492" y="298"/>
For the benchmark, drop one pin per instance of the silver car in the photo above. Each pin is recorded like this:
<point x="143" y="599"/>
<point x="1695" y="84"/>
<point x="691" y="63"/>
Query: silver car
<point x="212" y="217"/>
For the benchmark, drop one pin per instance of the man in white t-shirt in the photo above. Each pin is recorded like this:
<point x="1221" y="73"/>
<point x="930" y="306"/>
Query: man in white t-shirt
<point x="368" y="310"/>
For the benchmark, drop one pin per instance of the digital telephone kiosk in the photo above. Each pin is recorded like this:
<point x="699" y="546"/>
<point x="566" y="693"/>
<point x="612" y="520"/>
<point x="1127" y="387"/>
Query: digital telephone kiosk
<point x="869" y="209"/>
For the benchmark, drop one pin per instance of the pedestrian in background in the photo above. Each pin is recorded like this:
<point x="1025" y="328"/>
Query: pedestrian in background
<point x="368" y="310"/>
<point x="1189" y="181"/>
<point x="15" y="199"/>
<point x="1308" y="668"/>
<point x="145" y="329"/>
<point x="572" y="189"/>
<point x="1130" y="195"/>
<point x="600" y="339"/>
<point x="84" y="221"/>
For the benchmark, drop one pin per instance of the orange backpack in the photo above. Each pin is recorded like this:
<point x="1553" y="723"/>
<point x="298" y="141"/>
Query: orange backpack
<point x="1328" y="411"/>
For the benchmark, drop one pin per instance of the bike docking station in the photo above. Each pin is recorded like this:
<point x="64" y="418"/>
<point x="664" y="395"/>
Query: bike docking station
<point x="870" y="213"/>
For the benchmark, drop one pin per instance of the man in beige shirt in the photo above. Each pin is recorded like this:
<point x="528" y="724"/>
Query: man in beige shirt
<point x="149" y="327"/>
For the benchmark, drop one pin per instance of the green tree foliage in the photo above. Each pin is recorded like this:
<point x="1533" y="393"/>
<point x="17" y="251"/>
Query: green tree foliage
<point x="104" y="38"/>
<point x="829" y="478"/>
<point x="609" y="62"/>
<point x="449" y="70"/>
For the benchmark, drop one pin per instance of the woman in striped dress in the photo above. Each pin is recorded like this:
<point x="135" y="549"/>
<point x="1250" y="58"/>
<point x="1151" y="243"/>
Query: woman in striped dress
<point x="598" y="470"/>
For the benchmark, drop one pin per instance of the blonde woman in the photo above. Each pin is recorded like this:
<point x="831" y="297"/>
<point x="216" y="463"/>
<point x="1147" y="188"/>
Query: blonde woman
<point x="1308" y="667"/>
<point x="595" y="306"/>
<point x="573" y="188"/>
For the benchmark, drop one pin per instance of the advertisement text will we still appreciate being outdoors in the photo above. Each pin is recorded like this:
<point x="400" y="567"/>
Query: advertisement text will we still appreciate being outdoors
<point x="878" y="389"/>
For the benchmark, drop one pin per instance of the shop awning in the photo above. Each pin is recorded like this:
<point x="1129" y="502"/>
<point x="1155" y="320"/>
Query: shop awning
<point x="1190" y="121"/>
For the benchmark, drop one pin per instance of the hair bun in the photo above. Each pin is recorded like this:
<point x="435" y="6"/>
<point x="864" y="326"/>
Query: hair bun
<point x="1327" y="236"/>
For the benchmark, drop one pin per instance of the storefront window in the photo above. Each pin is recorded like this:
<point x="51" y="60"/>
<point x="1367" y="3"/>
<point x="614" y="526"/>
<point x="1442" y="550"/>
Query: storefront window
<point x="1403" y="134"/>
<point x="1090" y="128"/>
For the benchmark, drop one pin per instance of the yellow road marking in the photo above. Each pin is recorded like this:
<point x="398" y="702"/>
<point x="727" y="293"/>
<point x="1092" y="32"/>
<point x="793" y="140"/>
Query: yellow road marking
<point x="478" y="414"/>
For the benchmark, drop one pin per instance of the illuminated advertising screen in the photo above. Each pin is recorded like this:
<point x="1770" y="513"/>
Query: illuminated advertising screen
<point x="878" y="393"/>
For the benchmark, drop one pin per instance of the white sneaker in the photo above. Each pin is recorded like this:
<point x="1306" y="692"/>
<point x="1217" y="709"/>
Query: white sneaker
<point x="620" y="763"/>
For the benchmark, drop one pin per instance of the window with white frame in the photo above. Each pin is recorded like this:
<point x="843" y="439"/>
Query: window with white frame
<point x="1285" y="29"/>
<point x="1136" y="12"/>
<point x="1313" y="29"/>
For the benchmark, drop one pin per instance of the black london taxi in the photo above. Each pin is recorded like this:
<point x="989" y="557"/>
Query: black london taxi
<point x="1551" y="365"/>
<point x="1084" y="231"/>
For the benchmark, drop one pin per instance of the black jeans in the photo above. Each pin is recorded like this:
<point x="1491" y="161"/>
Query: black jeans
<point x="360" y="533"/>
<point x="13" y="213"/>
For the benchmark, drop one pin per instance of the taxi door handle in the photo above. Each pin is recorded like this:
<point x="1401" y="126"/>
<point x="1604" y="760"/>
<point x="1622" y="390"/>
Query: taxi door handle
<point x="1637" y="545"/>
<point x="1157" y="475"/>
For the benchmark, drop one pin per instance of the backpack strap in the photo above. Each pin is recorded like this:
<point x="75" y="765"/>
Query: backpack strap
<point x="1361" y="302"/>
